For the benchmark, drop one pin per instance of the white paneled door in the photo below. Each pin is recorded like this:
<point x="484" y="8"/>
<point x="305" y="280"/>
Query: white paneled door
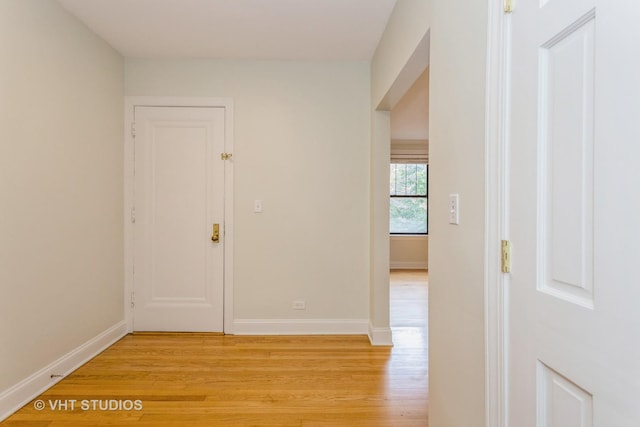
<point x="179" y="196"/>
<point x="573" y="293"/>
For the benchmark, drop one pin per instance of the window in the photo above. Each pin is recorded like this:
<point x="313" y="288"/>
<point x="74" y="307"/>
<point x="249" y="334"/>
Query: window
<point x="408" y="204"/>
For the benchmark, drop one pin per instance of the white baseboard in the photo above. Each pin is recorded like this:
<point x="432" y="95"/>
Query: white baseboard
<point x="404" y="265"/>
<point x="380" y="336"/>
<point x="20" y="394"/>
<point x="300" y="326"/>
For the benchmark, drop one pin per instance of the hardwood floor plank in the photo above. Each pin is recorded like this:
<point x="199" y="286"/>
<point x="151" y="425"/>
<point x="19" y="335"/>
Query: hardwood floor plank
<point x="216" y="380"/>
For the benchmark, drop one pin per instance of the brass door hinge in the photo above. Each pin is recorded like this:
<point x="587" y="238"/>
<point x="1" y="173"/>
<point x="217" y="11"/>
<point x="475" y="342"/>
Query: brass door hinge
<point x="225" y="156"/>
<point x="505" y="258"/>
<point x="508" y="6"/>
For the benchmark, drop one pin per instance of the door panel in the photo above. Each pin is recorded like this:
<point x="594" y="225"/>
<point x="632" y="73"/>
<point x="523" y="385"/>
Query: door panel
<point x="565" y="169"/>
<point x="562" y="403"/>
<point x="572" y="340"/>
<point x="179" y="195"/>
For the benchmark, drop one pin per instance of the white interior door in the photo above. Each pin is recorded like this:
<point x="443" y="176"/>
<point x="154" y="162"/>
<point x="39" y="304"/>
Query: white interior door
<point x="179" y="195"/>
<point x="574" y="318"/>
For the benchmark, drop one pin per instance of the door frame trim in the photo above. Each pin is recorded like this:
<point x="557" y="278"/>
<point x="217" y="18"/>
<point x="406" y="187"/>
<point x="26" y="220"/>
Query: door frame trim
<point x="130" y="102"/>
<point x="496" y="215"/>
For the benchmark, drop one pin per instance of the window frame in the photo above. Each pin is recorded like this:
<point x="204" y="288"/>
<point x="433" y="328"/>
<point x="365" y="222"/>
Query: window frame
<point x="425" y="196"/>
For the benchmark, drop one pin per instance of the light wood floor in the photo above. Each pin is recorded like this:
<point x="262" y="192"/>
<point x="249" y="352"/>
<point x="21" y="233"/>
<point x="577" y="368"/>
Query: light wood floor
<point x="214" y="380"/>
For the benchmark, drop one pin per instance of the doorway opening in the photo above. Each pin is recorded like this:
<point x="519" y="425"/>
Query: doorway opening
<point x="408" y="215"/>
<point x="411" y="147"/>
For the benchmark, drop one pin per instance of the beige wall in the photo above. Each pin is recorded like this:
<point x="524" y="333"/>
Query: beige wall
<point x="408" y="252"/>
<point x="61" y="160"/>
<point x="457" y="32"/>
<point x="456" y="273"/>
<point x="302" y="146"/>
<point x="407" y="26"/>
<point x="379" y="320"/>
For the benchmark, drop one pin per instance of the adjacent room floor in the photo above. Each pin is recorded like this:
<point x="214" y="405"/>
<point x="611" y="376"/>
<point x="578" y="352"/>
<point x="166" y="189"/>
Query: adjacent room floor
<point x="409" y="302"/>
<point x="215" y="380"/>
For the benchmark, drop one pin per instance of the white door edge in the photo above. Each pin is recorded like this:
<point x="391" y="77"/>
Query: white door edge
<point x="130" y="102"/>
<point x="496" y="220"/>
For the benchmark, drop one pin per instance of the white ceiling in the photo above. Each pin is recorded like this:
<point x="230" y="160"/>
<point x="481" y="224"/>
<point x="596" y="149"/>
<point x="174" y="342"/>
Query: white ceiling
<point x="238" y="29"/>
<point x="323" y="30"/>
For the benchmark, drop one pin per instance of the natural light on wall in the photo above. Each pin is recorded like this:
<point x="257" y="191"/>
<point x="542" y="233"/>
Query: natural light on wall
<point x="408" y="203"/>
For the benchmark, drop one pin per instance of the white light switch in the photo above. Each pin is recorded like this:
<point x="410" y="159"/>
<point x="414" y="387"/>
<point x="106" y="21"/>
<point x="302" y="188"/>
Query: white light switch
<point x="454" y="209"/>
<point x="257" y="206"/>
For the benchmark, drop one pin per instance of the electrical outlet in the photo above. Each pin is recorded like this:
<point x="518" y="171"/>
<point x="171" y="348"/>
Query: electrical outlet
<point x="299" y="305"/>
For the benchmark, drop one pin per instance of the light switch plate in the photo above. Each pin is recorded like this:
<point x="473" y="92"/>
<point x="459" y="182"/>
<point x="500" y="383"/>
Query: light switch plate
<point x="257" y="206"/>
<point x="454" y="209"/>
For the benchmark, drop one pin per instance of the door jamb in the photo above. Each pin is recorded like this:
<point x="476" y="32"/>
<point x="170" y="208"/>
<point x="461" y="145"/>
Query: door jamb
<point x="130" y="102"/>
<point x="496" y="215"/>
